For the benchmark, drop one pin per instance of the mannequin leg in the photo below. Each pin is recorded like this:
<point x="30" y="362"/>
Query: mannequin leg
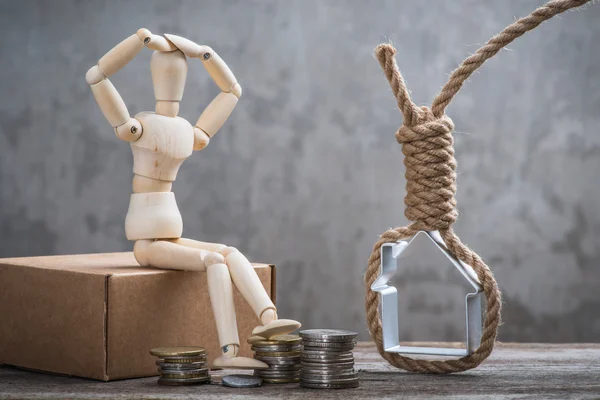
<point x="168" y="255"/>
<point x="254" y="293"/>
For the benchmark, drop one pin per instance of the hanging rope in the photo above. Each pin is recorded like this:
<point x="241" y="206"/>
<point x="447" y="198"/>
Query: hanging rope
<point x="427" y="145"/>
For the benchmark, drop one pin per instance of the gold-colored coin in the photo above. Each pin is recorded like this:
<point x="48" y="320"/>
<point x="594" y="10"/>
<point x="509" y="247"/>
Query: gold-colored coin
<point x="277" y="339"/>
<point x="178" y="351"/>
<point x="183" y="360"/>
<point x="278" y="353"/>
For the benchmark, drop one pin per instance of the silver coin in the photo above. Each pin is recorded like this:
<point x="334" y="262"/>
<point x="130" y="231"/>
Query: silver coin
<point x="337" y="351"/>
<point x="340" y="361"/>
<point x="328" y="334"/>
<point x="324" y="379"/>
<point x="194" y="365"/>
<point x="275" y="372"/>
<point x="241" y="381"/>
<point x="333" y="345"/>
<point x="329" y="377"/>
<point x="311" y="385"/>
<point x="312" y="365"/>
<point x="295" y="374"/>
<point x="326" y="352"/>
<point x="182" y="382"/>
<point x="341" y="356"/>
<point x="279" y="360"/>
<point x="278" y="371"/>
<point x="281" y="380"/>
<point x="182" y="371"/>
<point x="292" y="367"/>
<point x="325" y="372"/>
<point x="328" y="345"/>
<point x="277" y="348"/>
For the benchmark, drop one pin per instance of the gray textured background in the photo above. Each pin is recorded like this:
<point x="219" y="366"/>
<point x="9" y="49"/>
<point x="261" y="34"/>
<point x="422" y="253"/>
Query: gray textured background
<point x="306" y="173"/>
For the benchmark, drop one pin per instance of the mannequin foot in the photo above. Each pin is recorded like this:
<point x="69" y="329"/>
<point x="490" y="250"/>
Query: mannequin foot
<point x="276" y="327"/>
<point x="238" y="363"/>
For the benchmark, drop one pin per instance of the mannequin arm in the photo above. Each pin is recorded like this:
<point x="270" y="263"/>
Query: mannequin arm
<point x="110" y="101"/>
<point x="217" y="112"/>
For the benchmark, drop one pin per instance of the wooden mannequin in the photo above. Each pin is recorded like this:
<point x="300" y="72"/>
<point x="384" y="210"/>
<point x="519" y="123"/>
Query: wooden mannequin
<point x="160" y="142"/>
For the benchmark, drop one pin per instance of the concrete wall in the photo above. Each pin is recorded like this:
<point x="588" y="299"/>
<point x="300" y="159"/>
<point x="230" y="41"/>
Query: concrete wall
<point x="306" y="173"/>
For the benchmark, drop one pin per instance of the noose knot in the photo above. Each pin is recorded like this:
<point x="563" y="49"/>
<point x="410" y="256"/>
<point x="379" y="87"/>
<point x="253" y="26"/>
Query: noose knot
<point x="428" y="150"/>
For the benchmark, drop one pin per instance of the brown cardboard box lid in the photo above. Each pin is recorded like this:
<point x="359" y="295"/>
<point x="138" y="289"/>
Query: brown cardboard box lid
<point x="97" y="315"/>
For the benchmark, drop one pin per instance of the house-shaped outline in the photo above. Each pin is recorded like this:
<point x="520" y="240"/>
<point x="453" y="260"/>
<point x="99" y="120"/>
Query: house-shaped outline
<point x="390" y="260"/>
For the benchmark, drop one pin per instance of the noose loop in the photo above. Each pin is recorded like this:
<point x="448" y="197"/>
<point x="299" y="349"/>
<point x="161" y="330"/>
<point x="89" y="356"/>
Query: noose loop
<point x="427" y="144"/>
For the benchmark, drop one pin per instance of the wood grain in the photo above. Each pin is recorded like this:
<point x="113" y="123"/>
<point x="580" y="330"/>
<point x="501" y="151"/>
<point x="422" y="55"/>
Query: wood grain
<point x="524" y="371"/>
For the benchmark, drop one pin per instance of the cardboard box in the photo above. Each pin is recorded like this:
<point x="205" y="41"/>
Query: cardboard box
<point x="98" y="315"/>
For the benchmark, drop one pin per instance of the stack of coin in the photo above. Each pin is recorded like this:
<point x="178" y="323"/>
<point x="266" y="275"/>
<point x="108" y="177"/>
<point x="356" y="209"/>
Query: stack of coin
<point x="282" y="354"/>
<point x="327" y="359"/>
<point x="181" y="366"/>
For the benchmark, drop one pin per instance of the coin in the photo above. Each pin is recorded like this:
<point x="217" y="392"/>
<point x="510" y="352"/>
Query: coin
<point x="279" y="371"/>
<point x="326" y="352"/>
<point x="349" y="364"/>
<point x="330" y="371"/>
<point x="292" y="367"/>
<point x="241" y="381"/>
<point x="328" y="334"/>
<point x="277" y="339"/>
<point x="332" y="345"/>
<point x="277" y="347"/>
<point x="278" y="354"/>
<point x="182" y="382"/>
<point x="183" y="360"/>
<point x="326" y="379"/>
<point x="184" y="371"/>
<point x="184" y="376"/>
<point x="328" y="361"/>
<point x="180" y="351"/>
<point x="320" y="385"/>
<point x="277" y="374"/>
<point x="281" y="380"/>
<point x="327" y="357"/>
<point x="192" y="365"/>
<point x="279" y="360"/>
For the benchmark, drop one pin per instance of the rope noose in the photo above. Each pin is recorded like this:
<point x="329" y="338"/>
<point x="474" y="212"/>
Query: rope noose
<point x="427" y="145"/>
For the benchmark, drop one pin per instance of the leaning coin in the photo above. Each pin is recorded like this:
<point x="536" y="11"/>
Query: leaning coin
<point x="192" y="365"/>
<point x="183" y="360"/>
<point x="328" y="334"/>
<point x="182" y="382"/>
<point x="179" y="351"/>
<point x="310" y="385"/>
<point x="241" y="381"/>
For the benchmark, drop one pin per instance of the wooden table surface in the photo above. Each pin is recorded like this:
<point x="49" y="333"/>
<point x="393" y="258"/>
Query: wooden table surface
<point x="523" y="371"/>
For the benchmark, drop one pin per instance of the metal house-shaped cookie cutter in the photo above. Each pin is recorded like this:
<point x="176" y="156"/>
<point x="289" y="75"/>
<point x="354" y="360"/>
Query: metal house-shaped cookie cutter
<point x="391" y="256"/>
